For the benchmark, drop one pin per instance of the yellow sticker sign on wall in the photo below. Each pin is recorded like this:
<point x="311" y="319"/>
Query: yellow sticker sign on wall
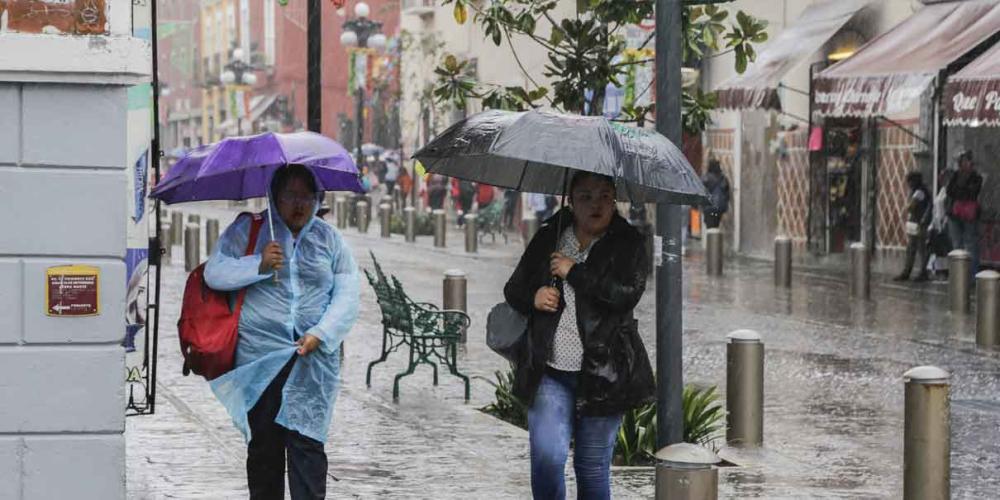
<point x="72" y="291"/>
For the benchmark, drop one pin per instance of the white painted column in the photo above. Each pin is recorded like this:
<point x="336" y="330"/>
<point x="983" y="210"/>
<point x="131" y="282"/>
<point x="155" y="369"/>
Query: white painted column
<point x="64" y="201"/>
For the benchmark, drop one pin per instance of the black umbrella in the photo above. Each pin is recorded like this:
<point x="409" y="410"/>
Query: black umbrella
<point x="536" y="151"/>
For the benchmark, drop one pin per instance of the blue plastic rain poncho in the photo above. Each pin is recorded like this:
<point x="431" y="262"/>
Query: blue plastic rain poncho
<point x="317" y="294"/>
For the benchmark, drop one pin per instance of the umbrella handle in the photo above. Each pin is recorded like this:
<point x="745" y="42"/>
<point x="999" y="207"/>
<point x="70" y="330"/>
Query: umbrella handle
<point x="270" y="225"/>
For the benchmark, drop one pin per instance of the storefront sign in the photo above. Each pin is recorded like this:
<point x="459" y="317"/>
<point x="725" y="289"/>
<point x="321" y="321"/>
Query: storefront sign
<point x="972" y="103"/>
<point x="868" y="96"/>
<point x="68" y="17"/>
<point x="72" y="291"/>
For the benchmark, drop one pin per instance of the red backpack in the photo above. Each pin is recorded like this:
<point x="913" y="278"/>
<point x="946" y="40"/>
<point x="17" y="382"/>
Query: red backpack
<point x="208" y="329"/>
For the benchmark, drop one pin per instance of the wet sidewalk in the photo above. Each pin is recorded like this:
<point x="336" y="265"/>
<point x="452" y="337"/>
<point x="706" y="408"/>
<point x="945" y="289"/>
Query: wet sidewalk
<point x="833" y="391"/>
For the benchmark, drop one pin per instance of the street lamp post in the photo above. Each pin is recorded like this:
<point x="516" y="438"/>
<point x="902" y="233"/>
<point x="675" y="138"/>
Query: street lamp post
<point x="238" y="73"/>
<point x="362" y="33"/>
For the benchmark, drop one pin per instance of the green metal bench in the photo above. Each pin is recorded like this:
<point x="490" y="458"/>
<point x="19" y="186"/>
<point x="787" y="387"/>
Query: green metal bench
<point x="431" y="334"/>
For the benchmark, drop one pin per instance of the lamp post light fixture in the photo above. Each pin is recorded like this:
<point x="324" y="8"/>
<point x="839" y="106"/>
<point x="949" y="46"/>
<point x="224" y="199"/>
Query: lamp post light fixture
<point x="237" y="74"/>
<point x="362" y="34"/>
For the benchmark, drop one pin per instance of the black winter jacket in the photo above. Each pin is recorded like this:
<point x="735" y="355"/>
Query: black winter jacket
<point x="615" y="374"/>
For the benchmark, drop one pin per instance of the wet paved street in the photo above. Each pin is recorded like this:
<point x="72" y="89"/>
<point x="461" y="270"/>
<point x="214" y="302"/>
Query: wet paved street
<point x="833" y="391"/>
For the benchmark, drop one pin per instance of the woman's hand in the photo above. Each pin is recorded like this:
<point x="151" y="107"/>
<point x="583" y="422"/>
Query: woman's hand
<point x="307" y="344"/>
<point x="547" y="299"/>
<point x="560" y="265"/>
<point x="271" y="258"/>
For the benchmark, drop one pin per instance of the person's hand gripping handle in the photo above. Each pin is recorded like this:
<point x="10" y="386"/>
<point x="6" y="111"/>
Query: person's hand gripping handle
<point x="272" y="259"/>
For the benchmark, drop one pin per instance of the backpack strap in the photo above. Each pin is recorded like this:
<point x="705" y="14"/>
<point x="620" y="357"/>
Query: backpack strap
<point x="256" y="221"/>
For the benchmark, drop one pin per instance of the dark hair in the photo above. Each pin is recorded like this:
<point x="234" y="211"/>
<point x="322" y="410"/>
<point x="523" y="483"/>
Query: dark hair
<point x="285" y="174"/>
<point x="583" y="174"/>
<point x="965" y="155"/>
<point x="914" y="178"/>
<point x="714" y="166"/>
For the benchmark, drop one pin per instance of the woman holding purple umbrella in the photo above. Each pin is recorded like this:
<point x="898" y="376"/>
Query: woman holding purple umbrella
<point x="282" y="391"/>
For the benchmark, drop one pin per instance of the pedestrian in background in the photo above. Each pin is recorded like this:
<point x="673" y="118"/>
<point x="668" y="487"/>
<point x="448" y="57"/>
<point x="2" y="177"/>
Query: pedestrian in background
<point x="719" y="193"/>
<point x="281" y="393"/>
<point x="963" y="209"/>
<point x="437" y="190"/>
<point x="919" y="212"/>
<point x="510" y="198"/>
<point x="583" y="363"/>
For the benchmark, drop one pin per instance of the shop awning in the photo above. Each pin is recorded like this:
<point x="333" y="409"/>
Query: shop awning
<point x="972" y="96"/>
<point x="258" y="105"/>
<point x="886" y="75"/>
<point x="757" y="87"/>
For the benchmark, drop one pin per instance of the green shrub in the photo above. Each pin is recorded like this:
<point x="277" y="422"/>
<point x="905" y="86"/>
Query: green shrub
<point x="507" y="407"/>
<point x="423" y="224"/>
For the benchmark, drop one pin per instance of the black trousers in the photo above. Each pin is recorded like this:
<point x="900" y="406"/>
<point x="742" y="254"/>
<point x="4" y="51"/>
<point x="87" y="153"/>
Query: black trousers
<point x="271" y="444"/>
<point x="916" y="244"/>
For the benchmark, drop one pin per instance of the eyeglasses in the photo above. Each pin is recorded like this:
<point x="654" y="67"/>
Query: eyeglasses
<point x="293" y="199"/>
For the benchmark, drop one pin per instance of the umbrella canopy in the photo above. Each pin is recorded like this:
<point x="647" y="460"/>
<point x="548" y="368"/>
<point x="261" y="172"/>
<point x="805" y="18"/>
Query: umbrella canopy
<point x="537" y="151"/>
<point x="238" y="168"/>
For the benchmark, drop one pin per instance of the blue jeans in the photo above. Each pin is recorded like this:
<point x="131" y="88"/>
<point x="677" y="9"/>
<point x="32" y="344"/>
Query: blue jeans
<point x="965" y="236"/>
<point x="552" y="423"/>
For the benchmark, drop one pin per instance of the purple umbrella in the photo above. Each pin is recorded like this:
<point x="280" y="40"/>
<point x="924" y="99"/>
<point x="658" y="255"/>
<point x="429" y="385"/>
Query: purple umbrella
<point x="238" y="168"/>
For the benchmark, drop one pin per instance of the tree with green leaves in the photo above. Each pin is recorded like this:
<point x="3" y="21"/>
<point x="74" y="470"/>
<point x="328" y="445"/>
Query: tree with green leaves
<point x="588" y="51"/>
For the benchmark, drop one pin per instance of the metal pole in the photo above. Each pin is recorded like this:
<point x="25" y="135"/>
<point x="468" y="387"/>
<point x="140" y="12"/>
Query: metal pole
<point x="713" y="251"/>
<point x="410" y="214"/>
<point x="471" y="233"/>
<point x="455" y="293"/>
<point x="783" y="261"/>
<point x="958" y="280"/>
<point x="360" y="122"/>
<point x="385" y="216"/>
<point x="439" y="228"/>
<point x="530" y="228"/>
<point x="744" y="389"/>
<point x="927" y="435"/>
<point x="685" y="471"/>
<point x="177" y="226"/>
<point x="669" y="314"/>
<point x="860" y="278"/>
<point x="314" y="66"/>
<point x="192" y="247"/>
<point x="987" y="306"/>
<point x="362" y="216"/>
<point x="211" y="235"/>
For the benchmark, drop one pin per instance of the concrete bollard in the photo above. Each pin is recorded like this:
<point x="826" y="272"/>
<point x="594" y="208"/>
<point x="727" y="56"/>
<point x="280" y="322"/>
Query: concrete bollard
<point x="471" y="233"/>
<point x="363" y="214"/>
<point x="211" y="235"/>
<point x="454" y="289"/>
<point x="713" y="251"/>
<point x="177" y="226"/>
<point x="783" y="261"/>
<point x="439" y="228"/>
<point x="987" y="308"/>
<point x="166" y="244"/>
<point x="530" y="228"/>
<point x="860" y="278"/>
<point x="192" y="247"/>
<point x="927" y="434"/>
<point x="385" y="218"/>
<point x="342" y="213"/>
<point x="410" y="216"/>
<point x="744" y="389"/>
<point x="686" y="471"/>
<point x="958" y="280"/>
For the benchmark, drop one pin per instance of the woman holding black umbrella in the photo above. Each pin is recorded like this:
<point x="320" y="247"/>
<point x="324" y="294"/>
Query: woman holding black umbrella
<point x="584" y="364"/>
